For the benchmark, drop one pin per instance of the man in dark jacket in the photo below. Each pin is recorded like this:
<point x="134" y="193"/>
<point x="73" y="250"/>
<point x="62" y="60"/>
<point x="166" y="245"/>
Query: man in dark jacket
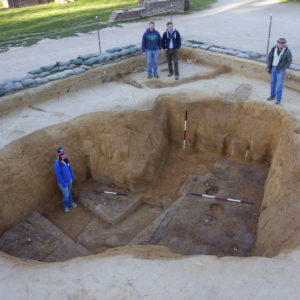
<point x="279" y="59"/>
<point x="171" y="42"/>
<point x="151" y="46"/>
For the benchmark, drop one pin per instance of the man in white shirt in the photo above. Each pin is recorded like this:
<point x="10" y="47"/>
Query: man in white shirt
<point x="171" y="42"/>
<point x="279" y="59"/>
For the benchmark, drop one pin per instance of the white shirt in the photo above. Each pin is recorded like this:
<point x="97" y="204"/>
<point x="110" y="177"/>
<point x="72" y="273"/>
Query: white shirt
<point x="171" y="40"/>
<point x="277" y="57"/>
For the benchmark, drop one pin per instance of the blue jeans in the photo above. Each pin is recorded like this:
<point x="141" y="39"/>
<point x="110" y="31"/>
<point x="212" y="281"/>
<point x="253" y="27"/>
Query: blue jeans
<point x="277" y="79"/>
<point x="66" y="191"/>
<point x="152" y="56"/>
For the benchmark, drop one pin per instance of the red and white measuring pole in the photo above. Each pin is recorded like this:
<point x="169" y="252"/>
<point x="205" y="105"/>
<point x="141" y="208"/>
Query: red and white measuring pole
<point x="184" y="134"/>
<point x="222" y="198"/>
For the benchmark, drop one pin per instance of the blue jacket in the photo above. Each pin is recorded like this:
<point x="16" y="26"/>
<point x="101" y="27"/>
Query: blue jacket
<point x="151" y="40"/>
<point x="176" y="38"/>
<point x="64" y="173"/>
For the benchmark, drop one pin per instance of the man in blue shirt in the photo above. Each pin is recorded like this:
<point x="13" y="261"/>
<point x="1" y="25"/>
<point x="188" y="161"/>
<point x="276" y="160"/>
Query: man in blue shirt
<point x="151" y="46"/>
<point x="171" y="42"/>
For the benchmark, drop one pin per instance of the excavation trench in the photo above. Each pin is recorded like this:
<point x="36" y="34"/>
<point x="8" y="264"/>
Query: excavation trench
<point x="233" y="149"/>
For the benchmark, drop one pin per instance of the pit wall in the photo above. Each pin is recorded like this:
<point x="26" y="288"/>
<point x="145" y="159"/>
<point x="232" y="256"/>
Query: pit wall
<point x="74" y="83"/>
<point x="250" y="68"/>
<point x="122" y="148"/>
<point x="279" y="223"/>
<point x="245" y="130"/>
<point x="128" y="149"/>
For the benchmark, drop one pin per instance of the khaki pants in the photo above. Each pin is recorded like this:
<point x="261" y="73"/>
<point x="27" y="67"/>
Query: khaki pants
<point x="172" y="55"/>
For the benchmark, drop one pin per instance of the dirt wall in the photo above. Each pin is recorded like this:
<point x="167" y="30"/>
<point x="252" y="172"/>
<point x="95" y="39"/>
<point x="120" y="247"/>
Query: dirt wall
<point x="129" y="149"/>
<point x="123" y="148"/>
<point x="246" y="67"/>
<point x="244" y="130"/>
<point x="279" y="224"/>
<point x="58" y="88"/>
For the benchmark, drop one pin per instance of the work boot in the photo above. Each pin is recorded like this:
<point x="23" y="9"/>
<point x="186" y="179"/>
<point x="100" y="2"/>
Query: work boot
<point x="74" y="205"/>
<point x="270" y="98"/>
<point x="67" y="209"/>
<point x="170" y="74"/>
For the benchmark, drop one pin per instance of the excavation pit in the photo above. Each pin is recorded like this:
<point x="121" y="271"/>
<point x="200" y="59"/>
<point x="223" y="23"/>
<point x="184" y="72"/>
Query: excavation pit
<point x="236" y="154"/>
<point x="236" y="148"/>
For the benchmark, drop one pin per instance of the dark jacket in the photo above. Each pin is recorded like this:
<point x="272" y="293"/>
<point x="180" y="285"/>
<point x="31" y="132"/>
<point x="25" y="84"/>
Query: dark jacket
<point x="175" y="35"/>
<point x="151" y="40"/>
<point x="64" y="173"/>
<point x="284" y="61"/>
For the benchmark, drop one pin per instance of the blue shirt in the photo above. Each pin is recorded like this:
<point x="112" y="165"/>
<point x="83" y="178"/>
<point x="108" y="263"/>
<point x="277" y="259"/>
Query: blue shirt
<point x="151" y="40"/>
<point x="64" y="173"/>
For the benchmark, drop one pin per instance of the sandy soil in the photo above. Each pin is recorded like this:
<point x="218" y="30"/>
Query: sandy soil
<point x="122" y="276"/>
<point x="117" y="274"/>
<point x="242" y="24"/>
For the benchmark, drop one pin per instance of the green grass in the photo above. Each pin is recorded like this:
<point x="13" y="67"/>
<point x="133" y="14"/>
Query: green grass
<point x="26" y="26"/>
<point x="28" y="22"/>
<point x="200" y="4"/>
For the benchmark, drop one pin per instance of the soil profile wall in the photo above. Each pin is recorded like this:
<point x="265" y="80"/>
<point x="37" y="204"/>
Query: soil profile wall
<point x="59" y="88"/>
<point x="128" y="149"/>
<point x="246" y="67"/>
<point x="279" y="224"/>
<point x="117" y="147"/>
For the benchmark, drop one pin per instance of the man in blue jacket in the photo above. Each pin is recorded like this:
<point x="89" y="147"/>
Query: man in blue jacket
<point x="64" y="176"/>
<point x="279" y="59"/>
<point x="171" y="42"/>
<point x="151" y="46"/>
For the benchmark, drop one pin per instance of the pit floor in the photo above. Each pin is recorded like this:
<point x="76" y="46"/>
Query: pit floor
<point x="198" y="226"/>
<point x="208" y="226"/>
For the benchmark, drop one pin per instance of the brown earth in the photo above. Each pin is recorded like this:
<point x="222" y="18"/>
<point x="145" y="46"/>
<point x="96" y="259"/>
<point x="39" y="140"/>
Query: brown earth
<point x="172" y="276"/>
<point x="132" y="149"/>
